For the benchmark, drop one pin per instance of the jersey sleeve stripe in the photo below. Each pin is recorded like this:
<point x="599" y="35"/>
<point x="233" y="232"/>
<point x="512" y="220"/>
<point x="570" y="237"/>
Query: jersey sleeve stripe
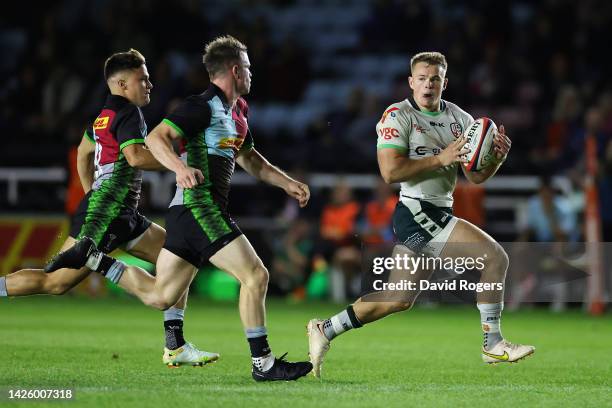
<point x="130" y="142"/>
<point x="85" y="134"/>
<point x="174" y="126"/>
<point x="247" y="147"/>
<point x="390" y="146"/>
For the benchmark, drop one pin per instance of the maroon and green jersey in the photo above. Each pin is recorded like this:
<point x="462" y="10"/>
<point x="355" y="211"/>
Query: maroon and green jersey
<point x="213" y="133"/>
<point x="116" y="184"/>
<point x="119" y="124"/>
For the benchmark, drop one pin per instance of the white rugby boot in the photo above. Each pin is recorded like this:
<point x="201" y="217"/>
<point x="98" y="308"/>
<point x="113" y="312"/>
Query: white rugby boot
<point x="318" y="345"/>
<point x="506" y="352"/>
<point x="188" y="354"/>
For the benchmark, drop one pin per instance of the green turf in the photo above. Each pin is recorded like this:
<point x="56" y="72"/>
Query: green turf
<point x="109" y="351"/>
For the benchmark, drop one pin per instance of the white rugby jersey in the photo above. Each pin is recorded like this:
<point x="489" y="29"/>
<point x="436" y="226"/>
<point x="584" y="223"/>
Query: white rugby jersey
<point x="404" y="126"/>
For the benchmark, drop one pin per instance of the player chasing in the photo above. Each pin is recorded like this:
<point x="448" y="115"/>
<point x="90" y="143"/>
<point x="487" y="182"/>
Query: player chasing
<point x="411" y="134"/>
<point x="213" y="131"/>
<point x="108" y="213"/>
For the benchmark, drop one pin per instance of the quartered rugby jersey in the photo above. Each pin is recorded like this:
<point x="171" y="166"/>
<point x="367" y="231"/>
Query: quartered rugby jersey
<point x="404" y="126"/>
<point x="213" y="133"/>
<point x="119" y="124"/>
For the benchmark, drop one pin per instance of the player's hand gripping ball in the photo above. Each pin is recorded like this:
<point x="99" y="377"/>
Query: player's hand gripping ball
<point x="479" y="136"/>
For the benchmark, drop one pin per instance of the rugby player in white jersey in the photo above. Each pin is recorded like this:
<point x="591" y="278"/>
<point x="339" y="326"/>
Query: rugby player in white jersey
<point x="420" y="145"/>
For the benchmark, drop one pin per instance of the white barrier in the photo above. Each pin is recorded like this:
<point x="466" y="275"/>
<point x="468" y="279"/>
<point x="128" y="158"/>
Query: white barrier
<point x="163" y="184"/>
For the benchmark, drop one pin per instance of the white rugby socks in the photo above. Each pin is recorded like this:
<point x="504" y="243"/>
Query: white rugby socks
<point x="338" y="324"/>
<point x="3" y="286"/>
<point x="490" y="319"/>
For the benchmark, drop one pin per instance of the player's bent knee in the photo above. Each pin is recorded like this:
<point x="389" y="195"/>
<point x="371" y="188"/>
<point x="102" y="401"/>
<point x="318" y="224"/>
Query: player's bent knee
<point x="501" y="258"/>
<point x="498" y="264"/>
<point x="159" y="302"/>
<point x="395" y="307"/>
<point x="505" y="260"/>
<point x="55" y="284"/>
<point x="257" y="279"/>
<point x="57" y="288"/>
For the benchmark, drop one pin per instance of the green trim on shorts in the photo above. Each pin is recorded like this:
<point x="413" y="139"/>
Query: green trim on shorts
<point x="174" y="126"/>
<point x="131" y="142"/>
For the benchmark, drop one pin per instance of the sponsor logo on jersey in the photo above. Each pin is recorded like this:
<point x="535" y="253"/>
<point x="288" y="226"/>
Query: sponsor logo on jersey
<point x="436" y="124"/>
<point x="423" y="150"/>
<point x="101" y="123"/>
<point x="417" y="128"/>
<point x="387" y="112"/>
<point x="388" y="133"/>
<point x="231" y="143"/>
<point x="456" y="129"/>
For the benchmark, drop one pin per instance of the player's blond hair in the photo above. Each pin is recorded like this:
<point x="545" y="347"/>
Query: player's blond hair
<point x="430" y="57"/>
<point x="220" y="52"/>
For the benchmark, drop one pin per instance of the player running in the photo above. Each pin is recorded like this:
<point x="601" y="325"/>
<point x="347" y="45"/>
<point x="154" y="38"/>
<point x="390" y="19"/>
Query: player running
<point x="420" y="145"/>
<point x="214" y="135"/>
<point x="108" y="213"/>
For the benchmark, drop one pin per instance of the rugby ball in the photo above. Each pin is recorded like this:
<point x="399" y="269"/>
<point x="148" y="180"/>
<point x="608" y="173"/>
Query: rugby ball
<point x="479" y="137"/>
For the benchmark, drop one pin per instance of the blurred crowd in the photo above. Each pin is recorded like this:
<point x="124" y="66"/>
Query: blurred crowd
<point x="537" y="67"/>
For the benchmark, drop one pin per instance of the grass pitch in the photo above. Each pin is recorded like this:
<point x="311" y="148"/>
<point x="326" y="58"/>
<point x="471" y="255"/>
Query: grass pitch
<point x="109" y="352"/>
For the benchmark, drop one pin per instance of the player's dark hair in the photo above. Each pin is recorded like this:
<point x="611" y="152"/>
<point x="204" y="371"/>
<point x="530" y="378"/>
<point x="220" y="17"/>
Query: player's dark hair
<point x="221" y="52"/>
<point x="122" y="61"/>
<point x="430" y="57"/>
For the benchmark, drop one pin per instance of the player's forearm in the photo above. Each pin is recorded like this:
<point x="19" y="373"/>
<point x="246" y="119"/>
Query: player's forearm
<point x="403" y="169"/>
<point x="274" y="176"/>
<point x="145" y="160"/>
<point x="257" y="166"/>
<point x="85" y="168"/>
<point x="161" y="149"/>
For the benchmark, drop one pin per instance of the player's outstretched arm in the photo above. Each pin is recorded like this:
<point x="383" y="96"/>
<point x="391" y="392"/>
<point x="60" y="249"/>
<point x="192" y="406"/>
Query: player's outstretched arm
<point x="138" y="156"/>
<point x="501" y="146"/>
<point x="85" y="162"/>
<point x="257" y="166"/>
<point x="159" y="141"/>
<point x="396" y="167"/>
